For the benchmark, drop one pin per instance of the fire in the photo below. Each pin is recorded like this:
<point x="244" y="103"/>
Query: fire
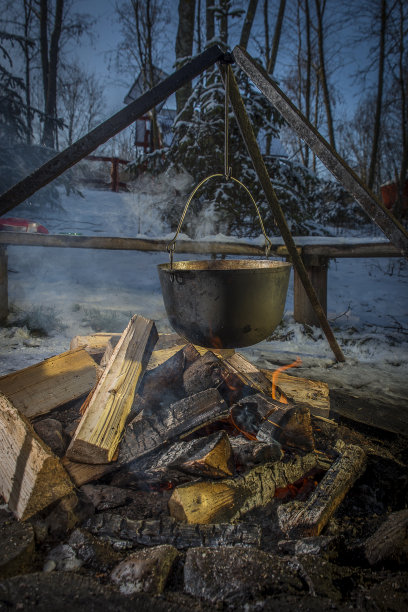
<point x="215" y="340"/>
<point x="275" y="377"/>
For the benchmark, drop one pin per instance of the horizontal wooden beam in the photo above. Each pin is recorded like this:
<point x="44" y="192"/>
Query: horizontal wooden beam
<point x="330" y="251"/>
<point x="137" y="244"/>
<point x="333" y="251"/>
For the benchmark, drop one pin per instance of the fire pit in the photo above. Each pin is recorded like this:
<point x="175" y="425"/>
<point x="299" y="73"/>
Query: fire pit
<point x="227" y="483"/>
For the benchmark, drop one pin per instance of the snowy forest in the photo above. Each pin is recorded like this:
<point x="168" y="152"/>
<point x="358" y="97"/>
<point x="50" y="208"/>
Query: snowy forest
<point x="344" y="65"/>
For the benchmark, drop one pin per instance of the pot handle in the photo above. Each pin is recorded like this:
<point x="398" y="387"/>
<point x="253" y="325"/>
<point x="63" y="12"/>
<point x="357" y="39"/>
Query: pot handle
<point x="171" y="247"/>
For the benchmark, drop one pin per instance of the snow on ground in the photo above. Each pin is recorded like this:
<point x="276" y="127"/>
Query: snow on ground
<point x="79" y="291"/>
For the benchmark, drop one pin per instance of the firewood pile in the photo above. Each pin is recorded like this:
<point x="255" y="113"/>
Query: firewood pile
<point x="134" y="455"/>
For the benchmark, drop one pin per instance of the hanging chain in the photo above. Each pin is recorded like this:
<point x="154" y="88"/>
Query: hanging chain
<point x="171" y="247"/>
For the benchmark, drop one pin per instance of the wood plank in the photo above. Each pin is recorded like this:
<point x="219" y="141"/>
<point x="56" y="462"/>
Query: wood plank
<point x="44" y="386"/>
<point x="31" y="477"/>
<point x="100" y="429"/>
<point x="227" y="500"/>
<point x="313" y="393"/>
<point x="299" y="519"/>
<point x="303" y="311"/>
<point x="371" y="411"/>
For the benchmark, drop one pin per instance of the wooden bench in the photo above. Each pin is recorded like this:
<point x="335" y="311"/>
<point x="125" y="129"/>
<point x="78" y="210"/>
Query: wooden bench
<point x="316" y="253"/>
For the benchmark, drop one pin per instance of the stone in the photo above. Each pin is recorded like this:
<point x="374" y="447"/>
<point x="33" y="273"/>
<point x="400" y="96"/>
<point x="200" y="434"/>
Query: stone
<point x="106" y="497"/>
<point x="51" y="432"/>
<point x="325" y="546"/>
<point x="17" y="549"/>
<point x="236" y="574"/>
<point x="68" y="513"/>
<point x="73" y="592"/>
<point x="62" y="558"/>
<point x="92" y="551"/>
<point x="146" y="570"/>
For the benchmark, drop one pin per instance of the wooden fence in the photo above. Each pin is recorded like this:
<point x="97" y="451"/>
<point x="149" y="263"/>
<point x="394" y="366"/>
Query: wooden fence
<point x="315" y="255"/>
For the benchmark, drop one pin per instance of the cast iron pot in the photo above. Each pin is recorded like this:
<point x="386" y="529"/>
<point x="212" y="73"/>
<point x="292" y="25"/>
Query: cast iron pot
<point x="224" y="303"/>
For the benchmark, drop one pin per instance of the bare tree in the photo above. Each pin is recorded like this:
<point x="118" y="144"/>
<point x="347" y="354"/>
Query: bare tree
<point x="248" y="21"/>
<point x="184" y="46"/>
<point x="81" y="101"/>
<point x="379" y="100"/>
<point x="322" y="71"/>
<point x="142" y="23"/>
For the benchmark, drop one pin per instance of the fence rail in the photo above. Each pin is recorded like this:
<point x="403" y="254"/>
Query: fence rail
<point x="315" y="257"/>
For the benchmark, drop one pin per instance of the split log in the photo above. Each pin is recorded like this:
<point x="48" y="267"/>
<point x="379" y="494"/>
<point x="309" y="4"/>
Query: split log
<point x="163" y="385"/>
<point x="100" y="429"/>
<point x="204" y="373"/>
<point x="31" y="477"/>
<point x="44" y="386"/>
<point x="144" y="435"/>
<point x="248" y="453"/>
<point x="109" y="348"/>
<point x="119" y="530"/>
<point x="269" y="420"/>
<point x="94" y="344"/>
<point x="309" y="518"/>
<point x="227" y="500"/>
<point x="210" y="457"/>
<point x="209" y="371"/>
<point x="82" y="473"/>
<point x="313" y="393"/>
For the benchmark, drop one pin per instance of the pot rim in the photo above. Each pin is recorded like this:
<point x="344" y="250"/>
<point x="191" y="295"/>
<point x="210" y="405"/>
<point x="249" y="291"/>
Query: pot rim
<point x="222" y="265"/>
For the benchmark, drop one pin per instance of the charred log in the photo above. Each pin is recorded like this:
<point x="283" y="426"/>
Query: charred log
<point x="181" y="419"/>
<point x="308" y="519"/>
<point x="228" y="500"/>
<point x="167" y="531"/>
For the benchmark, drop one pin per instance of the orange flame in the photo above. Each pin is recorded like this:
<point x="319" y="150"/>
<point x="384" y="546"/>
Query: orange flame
<point x="215" y="340"/>
<point x="244" y="433"/>
<point x="275" y="377"/>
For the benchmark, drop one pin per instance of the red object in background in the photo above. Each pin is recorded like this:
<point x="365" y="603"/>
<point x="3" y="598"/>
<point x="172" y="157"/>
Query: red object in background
<point x="389" y="194"/>
<point x="13" y="224"/>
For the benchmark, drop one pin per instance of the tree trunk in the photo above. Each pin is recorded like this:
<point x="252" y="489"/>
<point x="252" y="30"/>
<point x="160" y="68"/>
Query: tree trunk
<point x="272" y="59"/>
<point x="308" y="73"/>
<point x="322" y="73"/>
<point x="398" y="209"/>
<point x="44" y="45"/>
<point x="184" y="49"/>
<point x="50" y="106"/>
<point x="378" y="107"/>
<point x="27" y="69"/>
<point x="276" y="37"/>
<point x="224" y="10"/>
<point x="209" y="21"/>
<point x="249" y="19"/>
